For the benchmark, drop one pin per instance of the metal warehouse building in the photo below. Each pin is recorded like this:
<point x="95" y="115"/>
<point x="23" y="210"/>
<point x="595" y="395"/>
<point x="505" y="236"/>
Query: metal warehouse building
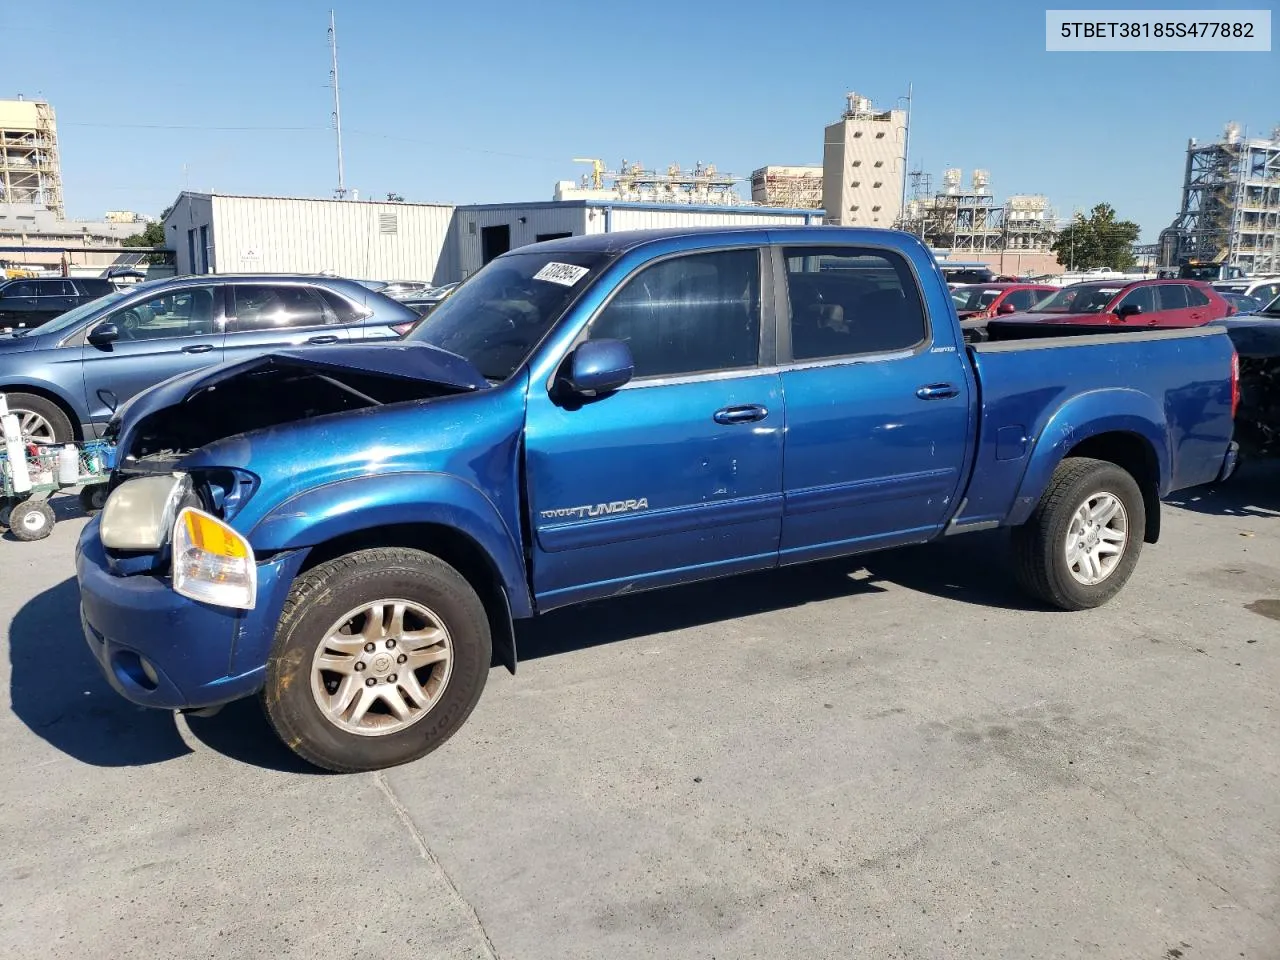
<point x="215" y="233"/>
<point x="485" y="231"/>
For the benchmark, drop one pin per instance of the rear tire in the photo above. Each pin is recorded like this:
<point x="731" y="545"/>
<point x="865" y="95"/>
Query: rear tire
<point x="53" y="424"/>
<point x="1063" y="554"/>
<point x="93" y="497"/>
<point x="348" y="705"/>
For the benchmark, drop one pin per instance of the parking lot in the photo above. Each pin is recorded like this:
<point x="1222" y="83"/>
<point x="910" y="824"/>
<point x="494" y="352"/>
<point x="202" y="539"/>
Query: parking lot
<point x="885" y="757"/>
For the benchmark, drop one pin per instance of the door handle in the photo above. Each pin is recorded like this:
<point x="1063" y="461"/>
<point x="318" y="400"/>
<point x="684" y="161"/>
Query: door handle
<point x="938" y="391"/>
<point x="326" y="338"/>
<point x="198" y="348"/>
<point x="745" y="413"/>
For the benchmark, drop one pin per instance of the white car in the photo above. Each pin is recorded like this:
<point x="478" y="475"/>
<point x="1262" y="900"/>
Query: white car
<point x="1265" y="289"/>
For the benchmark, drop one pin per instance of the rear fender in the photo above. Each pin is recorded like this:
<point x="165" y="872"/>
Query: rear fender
<point x="1085" y="416"/>
<point x="366" y="503"/>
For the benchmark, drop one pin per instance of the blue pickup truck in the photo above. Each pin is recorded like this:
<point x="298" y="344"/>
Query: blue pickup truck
<point x="351" y="531"/>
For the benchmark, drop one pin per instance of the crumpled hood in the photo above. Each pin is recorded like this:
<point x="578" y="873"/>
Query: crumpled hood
<point x="418" y="362"/>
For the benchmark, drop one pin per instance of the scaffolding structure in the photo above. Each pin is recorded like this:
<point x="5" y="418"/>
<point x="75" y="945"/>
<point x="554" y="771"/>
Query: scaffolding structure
<point x="971" y="222"/>
<point x="703" y="185"/>
<point x="797" y="188"/>
<point x="1230" y="205"/>
<point x="30" y="172"/>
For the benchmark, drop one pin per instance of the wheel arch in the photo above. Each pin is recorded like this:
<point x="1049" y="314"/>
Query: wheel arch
<point x="438" y="513"/>
<point x="1135" y="455"/>
<point x="1121" y="426"/>
<point x="451" y="545"/>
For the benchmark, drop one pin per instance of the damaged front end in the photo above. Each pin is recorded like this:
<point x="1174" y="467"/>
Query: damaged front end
<point x="178" y="460"/>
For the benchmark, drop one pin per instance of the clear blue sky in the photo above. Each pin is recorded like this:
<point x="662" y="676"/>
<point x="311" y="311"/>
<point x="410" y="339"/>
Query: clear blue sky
<point x="490" y="101"/>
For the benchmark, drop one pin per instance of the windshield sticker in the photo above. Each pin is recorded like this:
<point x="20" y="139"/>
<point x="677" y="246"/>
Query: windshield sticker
<point x="565" y="274"/>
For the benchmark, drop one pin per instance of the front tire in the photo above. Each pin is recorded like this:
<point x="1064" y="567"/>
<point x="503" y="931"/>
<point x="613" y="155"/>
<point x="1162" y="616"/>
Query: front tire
<point x="1082" y="542"/>
<point x="379" y="657"/>
<point x="41" y="420"/>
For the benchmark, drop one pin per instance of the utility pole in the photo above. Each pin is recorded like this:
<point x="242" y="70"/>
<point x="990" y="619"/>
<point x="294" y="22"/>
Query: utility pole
<point x="341" y="192"/>
<point x="906" y="152"/>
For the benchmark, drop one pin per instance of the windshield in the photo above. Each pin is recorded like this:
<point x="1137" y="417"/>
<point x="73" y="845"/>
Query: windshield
<point x="1272" y="309"/>
<point x="1207" y="272"/>
<point x="499" y="315"/>
<point x="1079" y="298"/>
<point x="967" y="274"/>
<point x="72" y="317"/>
<point x="973" y="298"/>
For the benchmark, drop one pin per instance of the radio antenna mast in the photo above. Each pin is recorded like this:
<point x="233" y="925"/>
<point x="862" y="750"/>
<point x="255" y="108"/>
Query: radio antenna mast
<point x="341" y="192"/>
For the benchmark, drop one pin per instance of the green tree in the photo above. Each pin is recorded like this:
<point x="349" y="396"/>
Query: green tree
<point x="152" y="236"/>
<point x="1098" y="240"/>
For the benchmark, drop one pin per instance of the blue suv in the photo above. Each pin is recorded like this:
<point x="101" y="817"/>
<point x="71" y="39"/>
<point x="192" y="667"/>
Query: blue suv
<point x="65" y="378"/>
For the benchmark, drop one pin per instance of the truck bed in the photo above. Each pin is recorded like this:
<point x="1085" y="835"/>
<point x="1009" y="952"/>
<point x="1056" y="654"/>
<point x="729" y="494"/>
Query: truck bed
<point x="1042" y="387"/>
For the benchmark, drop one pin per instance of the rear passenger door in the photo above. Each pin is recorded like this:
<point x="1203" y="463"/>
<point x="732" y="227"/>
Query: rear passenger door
<point x="56" y="297"/>
<point x="1200" y="308"/>
<point x="1172" y="307"/>
<point x="877" y="416"/>
<point x="271" y="316"/>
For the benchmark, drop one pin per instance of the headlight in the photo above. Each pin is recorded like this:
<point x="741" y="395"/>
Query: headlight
<point x="140" y="512"/>
<point x="212" y="563"/>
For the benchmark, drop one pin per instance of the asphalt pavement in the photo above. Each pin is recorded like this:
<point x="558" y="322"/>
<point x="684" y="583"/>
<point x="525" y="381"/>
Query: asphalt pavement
<point x="891" y="756"/>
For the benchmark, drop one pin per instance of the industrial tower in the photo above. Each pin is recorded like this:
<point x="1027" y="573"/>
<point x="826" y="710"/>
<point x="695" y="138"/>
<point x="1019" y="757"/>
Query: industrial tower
<point x="1230" y="205"/>
<point x="30" y="172"/>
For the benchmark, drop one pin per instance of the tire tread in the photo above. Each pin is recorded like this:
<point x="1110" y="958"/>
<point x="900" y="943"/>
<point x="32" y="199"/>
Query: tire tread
<point x="314" y="586"/>
<point x="1035" y="543"/>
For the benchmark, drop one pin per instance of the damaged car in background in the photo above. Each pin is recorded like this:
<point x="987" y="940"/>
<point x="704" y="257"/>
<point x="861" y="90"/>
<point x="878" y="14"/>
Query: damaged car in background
<point x="350" y="532"/>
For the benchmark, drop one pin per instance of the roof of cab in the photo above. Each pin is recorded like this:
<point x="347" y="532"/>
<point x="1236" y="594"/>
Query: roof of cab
<point x="623" y="240"/>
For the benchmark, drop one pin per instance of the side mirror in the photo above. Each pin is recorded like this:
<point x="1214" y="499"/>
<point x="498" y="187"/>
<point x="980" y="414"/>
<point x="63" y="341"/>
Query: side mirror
<point x="103" y="335"/>
<point x="1006" y="308"/>
<point x="1128" y="310"/>
<point x="598" y="366"/>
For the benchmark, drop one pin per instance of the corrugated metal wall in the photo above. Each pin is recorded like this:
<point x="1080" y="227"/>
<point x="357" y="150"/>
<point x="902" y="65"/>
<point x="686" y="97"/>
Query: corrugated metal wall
<point x="190" y="212"/>
<point x="383" y="241"/>
<point x="624" y="218"/>
<point x="464" y="256"/>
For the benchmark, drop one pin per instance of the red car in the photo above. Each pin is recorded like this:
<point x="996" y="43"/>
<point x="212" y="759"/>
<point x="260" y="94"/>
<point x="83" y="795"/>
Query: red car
<point x="981" y="301"/>
<point x="1137" y="303"/>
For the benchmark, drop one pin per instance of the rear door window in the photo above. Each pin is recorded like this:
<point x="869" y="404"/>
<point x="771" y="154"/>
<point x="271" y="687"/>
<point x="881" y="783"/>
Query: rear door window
<point x="1172" y="296"/>
<point x="276" y="307"/>
<point x="850" y="301"/>
<point x="1196" y="297"/>
<point x="344" y="311"/>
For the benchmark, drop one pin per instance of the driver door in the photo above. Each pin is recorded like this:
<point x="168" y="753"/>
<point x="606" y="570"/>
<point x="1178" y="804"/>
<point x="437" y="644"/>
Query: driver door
<point x="161" y="337"/>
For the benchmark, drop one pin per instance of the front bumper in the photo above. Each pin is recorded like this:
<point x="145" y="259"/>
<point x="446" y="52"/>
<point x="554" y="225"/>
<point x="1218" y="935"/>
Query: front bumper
<point x="160" y="649"/>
